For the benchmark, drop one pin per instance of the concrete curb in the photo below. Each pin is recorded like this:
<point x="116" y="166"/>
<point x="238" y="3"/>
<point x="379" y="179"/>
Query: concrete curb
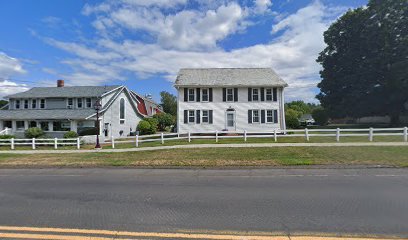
<point x="195" y="146"/>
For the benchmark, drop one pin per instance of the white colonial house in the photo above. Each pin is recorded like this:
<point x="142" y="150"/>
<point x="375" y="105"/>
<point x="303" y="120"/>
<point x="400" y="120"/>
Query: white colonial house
<point x="230" y="99"/>
<point x="59" y="109"/>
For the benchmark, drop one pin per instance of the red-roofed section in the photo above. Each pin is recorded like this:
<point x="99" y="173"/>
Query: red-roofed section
<point x="141" y="106"/>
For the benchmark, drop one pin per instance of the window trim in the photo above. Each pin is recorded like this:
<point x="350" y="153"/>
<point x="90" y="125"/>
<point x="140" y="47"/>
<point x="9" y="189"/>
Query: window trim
<point x="258" y="111"/>
<point x="191" y="116"/>
<point x="232" y="95"/>
<point x="45" y="103"/>
<point x="82" y="103"/>
<point x="208" y="116"/>
<point x="15" y="104"/>
<point x="266" y="116"/>
<point x="24" y="104"/>
<point x="34" y="104"/>
<point x="70" y="106"/>
<point x="189" y="94"/>
<point x="257" y="94"/>
<point x="202" y="95"/>
<point x="86" y="102"/>
<point x="266" y="94"/>
<point x="122" y="120"/>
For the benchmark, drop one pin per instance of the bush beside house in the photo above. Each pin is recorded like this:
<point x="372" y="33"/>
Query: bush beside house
<point x="165" y="120"/>
<point x="292" y="118"/>
<point x="71" y="134"/>
<point x="34" y="132"/>
<point x="147" y="126"/>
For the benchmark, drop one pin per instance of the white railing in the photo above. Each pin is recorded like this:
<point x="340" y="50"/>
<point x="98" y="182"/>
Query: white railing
<point x="34" y="142"/>
<point x="337" y="134"/>
<point x="5" y="131"/>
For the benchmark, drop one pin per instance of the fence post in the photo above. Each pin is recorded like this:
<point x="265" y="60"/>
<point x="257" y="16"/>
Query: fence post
<point x="405" y="134"/>
<point x="245" y="135"/>
<point x="370" y="135"/>
<point x="33" y="143"/>
<point x="113" y="142"/>
<point x="275" y="137"/>
<point x="216" y="135"/>
<point x="12" y="144"/>
<point x="78" y="142"/>
<point x="307" y="134"/>
<point x="55" y="143"/>
<point x="137" y="140"/>
<point x="338" y="135"/>
<point x="189" y="136"/>
<point x="162" y="138"/>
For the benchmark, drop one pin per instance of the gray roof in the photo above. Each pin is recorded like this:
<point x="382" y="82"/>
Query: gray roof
<point x="228" y="77"/>
<point x="77" y="91"/>
<point x="45" y="114"/>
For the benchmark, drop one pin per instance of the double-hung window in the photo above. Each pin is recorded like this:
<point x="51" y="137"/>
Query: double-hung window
<point x="79" y="103"/>
<point x="204" y="95"/>
<point x="191" y="94"/>
<point x="205" y="116"/>
<point x="230" y="94"/>
<point x="255" y="94"/>
<point x="269" y="94"/>
<point x="42" y="103"/>
<point x="17" y="104"/>
<point x="25" y="103"/>
<point x="70" y="103"/>
<point x="255" y="116"/>
<point x="88" y="103"/>
<point x="191" y="116"/>
<point x="269" y="116"/>
<point x="33" y="103"/>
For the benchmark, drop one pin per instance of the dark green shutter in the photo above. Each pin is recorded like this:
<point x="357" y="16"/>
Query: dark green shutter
<point x="249" y="94"/>
<point x="185" y="116"/>
<point x="262" y="94"/>
<point x="275" y="116"/>
<point x="262" y="116"/>
<point x="210" y="120"/>
<point x="224" y="94"/>
<point x="198" y="94"/>
<point x="235" y="94"/>
<point x="275" y="95"/>
<point x="210" y="95"/>
<point x="185" y="94"/>
<point x="198" y="116"/>
<point x="249" y="116"/>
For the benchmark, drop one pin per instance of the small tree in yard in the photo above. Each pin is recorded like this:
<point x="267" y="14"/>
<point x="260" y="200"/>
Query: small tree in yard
<point x="71" y="134"/>
<point x="34" y="132"/>
<point x="292" y="118"/>
<point x="321" y="116"/>
<point x="164" y="120"/>
<point x="147" y="126"/>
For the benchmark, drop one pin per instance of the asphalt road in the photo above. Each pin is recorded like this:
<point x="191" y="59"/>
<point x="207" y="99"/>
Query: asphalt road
<point x="360" y="201"/>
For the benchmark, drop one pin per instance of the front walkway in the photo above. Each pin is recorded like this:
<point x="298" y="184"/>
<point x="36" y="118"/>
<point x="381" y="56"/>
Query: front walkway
<point x="240" y="145"/>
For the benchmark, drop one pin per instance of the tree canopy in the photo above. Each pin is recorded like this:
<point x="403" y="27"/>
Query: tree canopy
<point x="3" y="103"/>
<point x="169" y="103"/>
<point x="365" y="62"/>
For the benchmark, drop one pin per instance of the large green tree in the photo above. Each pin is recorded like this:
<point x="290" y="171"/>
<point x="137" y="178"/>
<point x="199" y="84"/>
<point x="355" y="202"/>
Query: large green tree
<point x="365" y="62"/>
<point x="169" y="103"/>
<point x="3" y="103"/>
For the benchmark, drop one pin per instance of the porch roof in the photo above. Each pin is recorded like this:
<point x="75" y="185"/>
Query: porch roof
<point x="33" y="114"/>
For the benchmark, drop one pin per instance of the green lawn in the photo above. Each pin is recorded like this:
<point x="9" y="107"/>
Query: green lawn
<point x="219" y="157"/>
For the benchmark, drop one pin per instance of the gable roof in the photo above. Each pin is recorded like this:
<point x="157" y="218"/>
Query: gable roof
<point x="76" y="91"/>
<point x="228" y="77"/>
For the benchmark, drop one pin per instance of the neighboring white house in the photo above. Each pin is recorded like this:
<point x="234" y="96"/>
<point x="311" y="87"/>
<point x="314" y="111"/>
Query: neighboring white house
<point x="60" y="109"/>
<point x="230" y="99"/>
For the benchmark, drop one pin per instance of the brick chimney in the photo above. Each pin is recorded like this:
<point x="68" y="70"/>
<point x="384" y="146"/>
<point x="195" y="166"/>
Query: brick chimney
<point x="60" y="83"/>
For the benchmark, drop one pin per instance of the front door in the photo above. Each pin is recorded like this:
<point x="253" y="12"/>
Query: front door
<point x="230" y="121"/>
<point x="106" y="129"/>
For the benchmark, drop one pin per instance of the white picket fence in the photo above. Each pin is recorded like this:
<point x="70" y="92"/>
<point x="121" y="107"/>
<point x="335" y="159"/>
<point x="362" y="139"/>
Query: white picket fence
<point x="370" y="133"/>
<point x="34" y="142"/>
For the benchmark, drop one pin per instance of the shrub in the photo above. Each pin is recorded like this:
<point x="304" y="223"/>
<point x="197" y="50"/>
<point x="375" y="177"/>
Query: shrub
<point x="88" y="131"/>
<point x="6" y="136"/>
<point x="71" y="134"/>
<point x="292" y="118"/>
<point x="320" y="116"/>
<point x="146" y="127"/>
<point x="34" y="132"/>
<point x="164" y="120"/>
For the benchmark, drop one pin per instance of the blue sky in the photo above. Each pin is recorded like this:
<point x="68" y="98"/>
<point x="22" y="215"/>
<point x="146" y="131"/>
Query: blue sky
<point x="143" y="43"/>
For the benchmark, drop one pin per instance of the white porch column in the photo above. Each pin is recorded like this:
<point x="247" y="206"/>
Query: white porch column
<point x="26" y="124"/>
<point x="50" y="126"/>
<point x="14" y="125"/>
<point x="74" y="125"/>
<point x="1" y="125"/>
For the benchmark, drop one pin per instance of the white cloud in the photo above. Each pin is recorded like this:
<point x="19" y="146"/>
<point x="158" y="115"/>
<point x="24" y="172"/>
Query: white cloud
<point x="9" y="67"/>
<point x="9" y="87"/>
<point x="188" y="38"/>
<point x="262" y="6"/>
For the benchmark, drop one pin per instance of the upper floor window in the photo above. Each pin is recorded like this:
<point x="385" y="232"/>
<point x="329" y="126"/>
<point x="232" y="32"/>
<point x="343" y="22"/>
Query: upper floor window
<point x="122" y="111"/>
<point x="230" y="94"/>
<point x="70" y="103"/>
<point x="17" y="104"/>
<point x="33" y="103"/>
<point x="191" y="94"/>
<point x="79" y="103"/>
<point x="25" y="103"/>
<point x="42" y="103"/>
<point x="204" y="95"/>
<point x="255" y="94"/>
<point x="269" y="94"/>
<point x="88" y="102"/>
